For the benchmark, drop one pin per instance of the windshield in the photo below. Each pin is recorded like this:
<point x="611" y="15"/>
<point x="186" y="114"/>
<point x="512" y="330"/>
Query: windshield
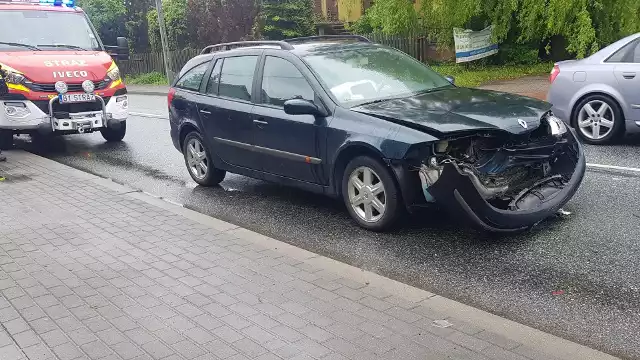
<point x="364" y="75"/>
<point x="29" y="30"/>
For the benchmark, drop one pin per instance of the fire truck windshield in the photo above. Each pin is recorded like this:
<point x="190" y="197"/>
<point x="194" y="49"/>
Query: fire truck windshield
<point x="29" y="30"/>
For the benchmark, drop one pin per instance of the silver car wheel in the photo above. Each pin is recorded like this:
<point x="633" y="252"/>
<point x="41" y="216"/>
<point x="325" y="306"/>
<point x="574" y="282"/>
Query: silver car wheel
<point x="367" y="195"/>
<point x="596" y="119"/>
<point x="197" y="159"/>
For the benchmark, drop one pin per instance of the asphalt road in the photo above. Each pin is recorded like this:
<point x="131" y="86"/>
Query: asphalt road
<point x="591" y="255"/>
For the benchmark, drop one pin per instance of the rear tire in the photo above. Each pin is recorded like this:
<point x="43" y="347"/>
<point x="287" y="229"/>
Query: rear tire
<point x="371" y="194"/>
<point x="114" y="134"/>
<point x="598" y="119"/>
<point x="6" y="139"/>
<point x="199" y="162"/>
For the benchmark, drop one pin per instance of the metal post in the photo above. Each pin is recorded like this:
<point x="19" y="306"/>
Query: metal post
<point x="163" y="38"/>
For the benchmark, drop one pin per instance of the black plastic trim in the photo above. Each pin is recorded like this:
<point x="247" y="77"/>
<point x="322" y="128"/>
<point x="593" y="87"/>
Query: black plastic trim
<point x="456" y="192"/>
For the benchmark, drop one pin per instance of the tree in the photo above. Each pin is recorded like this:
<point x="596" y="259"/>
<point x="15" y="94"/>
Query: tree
<point x="215" y="21"/>
<point x="203" y="22"/>
<point x="585" y="25"/>
<point x="136" y="23"/>
<point x="280" y="19"/>
<point x="107" y="17"/>
<point x="175" y="17"/>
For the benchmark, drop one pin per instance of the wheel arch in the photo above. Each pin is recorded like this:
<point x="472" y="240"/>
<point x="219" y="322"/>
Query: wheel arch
<point x="185" y="129"/>
<point x="349" y="152"/>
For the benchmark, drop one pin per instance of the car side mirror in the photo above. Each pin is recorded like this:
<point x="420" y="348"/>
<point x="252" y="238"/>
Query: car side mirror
<point x="122" y="45"/>
<point x="302" y="107"/>
<point x="451" y="79"/>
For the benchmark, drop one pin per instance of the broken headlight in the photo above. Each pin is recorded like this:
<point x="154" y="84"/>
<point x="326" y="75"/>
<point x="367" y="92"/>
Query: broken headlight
<point x="557" y="127"/>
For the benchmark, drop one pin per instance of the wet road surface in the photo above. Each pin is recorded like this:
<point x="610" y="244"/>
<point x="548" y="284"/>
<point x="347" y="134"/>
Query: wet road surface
<point x="590" y="256"/>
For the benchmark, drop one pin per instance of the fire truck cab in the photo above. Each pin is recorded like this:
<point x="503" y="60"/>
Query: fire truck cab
<point x="58" y="76"/>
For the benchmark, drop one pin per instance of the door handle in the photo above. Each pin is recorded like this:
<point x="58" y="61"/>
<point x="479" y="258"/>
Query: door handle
<point x="628" y="75"/>
<point x="205" y="112"/>
<point x="260" y="122"/>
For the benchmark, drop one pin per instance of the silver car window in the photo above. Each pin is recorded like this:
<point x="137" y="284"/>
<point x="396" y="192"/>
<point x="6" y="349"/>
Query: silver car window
<point x="628" y="53"/>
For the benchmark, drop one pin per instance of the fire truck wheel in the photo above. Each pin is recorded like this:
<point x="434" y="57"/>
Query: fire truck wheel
<point x="114" y="134"/>
<point x="6" y="139"/>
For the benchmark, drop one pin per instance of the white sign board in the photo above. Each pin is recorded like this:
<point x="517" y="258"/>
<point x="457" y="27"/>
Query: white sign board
<point x="473" y="45"/>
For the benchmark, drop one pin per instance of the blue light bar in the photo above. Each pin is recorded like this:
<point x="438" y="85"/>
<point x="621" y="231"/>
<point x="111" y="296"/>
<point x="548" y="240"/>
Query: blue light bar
<point x="67" y="3"/>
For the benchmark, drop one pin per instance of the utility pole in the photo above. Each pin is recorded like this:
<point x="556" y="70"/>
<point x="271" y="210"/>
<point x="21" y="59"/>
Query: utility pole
<point x="163" y="38"/>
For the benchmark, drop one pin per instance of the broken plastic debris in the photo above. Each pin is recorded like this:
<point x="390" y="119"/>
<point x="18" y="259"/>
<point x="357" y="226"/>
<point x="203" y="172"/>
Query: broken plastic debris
<point x="563" y="212"/>
<point x="441" y="323"/>
<point x="558" y="292"/>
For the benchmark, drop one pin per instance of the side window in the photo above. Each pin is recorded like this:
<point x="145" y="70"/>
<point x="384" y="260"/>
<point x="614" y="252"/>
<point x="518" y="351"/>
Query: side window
<point x="214" y="80"/>
<point x="628" y="53"/>
<point x="191" y="79"/>
<point x="236" y="78"/>
<point x="282" y="81"/>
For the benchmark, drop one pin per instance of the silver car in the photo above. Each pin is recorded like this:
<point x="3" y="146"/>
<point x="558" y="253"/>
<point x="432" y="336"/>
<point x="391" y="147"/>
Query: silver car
<point x="600" y="95"/>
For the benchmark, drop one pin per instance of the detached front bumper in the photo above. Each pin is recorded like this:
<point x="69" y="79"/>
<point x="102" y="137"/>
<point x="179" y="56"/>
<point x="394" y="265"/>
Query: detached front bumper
<point x="456" y="191"/>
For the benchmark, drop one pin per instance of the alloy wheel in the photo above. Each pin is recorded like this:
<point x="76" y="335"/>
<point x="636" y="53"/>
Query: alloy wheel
<point x="367" y="194"/>
<point x="596" y="120"/>
<point x="197" y="159"/>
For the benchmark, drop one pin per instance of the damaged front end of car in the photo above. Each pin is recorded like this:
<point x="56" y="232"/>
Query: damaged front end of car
<point x="500" y="181"/>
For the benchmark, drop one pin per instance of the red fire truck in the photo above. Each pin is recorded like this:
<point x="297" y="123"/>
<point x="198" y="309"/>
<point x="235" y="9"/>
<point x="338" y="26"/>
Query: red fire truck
<point x="60" y="78"/>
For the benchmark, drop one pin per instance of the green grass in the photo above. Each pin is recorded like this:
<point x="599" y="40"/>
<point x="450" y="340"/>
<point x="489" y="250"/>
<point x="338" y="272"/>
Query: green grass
<point x="154" y="78"/>
<point x="476" y="75"/>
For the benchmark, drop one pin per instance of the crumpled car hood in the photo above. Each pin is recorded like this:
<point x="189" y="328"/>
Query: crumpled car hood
<point x="456" y="109"/>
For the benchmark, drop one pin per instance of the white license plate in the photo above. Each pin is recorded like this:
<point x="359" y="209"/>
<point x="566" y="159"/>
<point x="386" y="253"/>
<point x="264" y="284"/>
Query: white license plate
<point x="76" y="98"/>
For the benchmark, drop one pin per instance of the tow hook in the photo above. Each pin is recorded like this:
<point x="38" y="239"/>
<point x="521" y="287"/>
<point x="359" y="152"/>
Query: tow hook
<point x="81" y="130"/>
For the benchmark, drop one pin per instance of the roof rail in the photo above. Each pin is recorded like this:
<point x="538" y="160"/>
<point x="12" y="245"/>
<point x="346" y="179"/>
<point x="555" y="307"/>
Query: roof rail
<point x="227" y="46"/>
<point x="329" y="37"/>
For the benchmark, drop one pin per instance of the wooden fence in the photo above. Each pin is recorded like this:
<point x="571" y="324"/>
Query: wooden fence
<point x="420" y="47"/>
<point x="153" y="62"/>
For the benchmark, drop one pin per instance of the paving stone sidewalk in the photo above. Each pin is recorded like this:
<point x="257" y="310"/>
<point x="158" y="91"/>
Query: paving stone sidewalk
<point x="93" y="270"/>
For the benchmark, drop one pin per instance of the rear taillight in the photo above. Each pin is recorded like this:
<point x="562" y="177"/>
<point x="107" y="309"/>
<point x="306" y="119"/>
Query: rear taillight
<point x="554" y="73"/>
<point x="170" y="95"/>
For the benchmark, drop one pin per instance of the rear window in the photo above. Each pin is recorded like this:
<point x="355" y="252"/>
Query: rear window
<point x="630" y="53"/>
<point x="192" y="79"/>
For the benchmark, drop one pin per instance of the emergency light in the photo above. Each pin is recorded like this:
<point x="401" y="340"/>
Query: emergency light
<point x="67" y="3"/>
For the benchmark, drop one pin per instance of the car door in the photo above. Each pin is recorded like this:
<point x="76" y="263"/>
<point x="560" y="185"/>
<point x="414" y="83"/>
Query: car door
<point x="289" y="145"/>
<point x="225" y="112"/>
<point x="627" y="73"/>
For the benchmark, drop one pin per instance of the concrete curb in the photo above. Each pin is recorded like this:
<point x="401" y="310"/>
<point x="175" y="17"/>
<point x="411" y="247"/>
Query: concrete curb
<point x="542" y="342"/>
<point x="144" y="92"/>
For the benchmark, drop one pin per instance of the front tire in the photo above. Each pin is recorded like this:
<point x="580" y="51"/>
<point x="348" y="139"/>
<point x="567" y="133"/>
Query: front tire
<point x="370" y="193"/>
<point x="199" y="162"/>
<point x="115" y="134"/>
<point x="598" y="119"/>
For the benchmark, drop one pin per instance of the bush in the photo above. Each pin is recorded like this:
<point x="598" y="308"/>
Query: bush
<point x="281" y="19"/>
<point x="154" y="78"/>
<point x="516" y="55"/>
<point x="361" y="26"/>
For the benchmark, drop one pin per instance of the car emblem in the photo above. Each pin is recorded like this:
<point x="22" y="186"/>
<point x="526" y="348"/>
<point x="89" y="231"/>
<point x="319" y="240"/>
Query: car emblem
<point x="523" y="123"/>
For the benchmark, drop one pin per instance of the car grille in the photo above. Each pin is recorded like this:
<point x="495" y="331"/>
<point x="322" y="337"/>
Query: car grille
<point x="51" y="88"/>
<point x="62" y="111"/>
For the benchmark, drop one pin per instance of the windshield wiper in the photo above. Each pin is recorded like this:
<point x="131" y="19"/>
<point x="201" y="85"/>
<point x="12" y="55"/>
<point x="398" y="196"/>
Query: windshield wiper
<point x="63" y="46"/>
<point x="431" y="90"/>
<point x="384" y="100"/>
<point x="31" y="47"/>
